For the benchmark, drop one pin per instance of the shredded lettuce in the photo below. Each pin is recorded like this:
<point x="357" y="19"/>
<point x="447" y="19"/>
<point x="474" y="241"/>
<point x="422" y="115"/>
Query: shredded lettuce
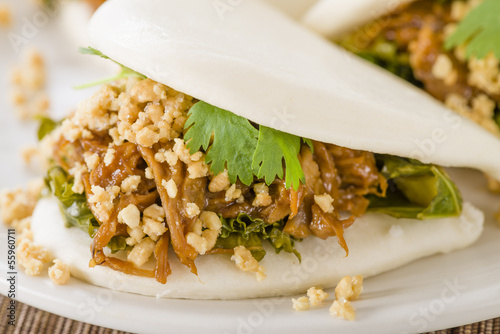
<point x="416" y="190"/>
<point x="386" y="55"/>
<point x="74" y="206"/>
<point x="249" y="232"/>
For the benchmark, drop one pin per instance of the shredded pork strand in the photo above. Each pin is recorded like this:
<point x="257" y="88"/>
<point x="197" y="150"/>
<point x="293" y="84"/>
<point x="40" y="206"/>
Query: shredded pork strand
<point x="134" y="128"/>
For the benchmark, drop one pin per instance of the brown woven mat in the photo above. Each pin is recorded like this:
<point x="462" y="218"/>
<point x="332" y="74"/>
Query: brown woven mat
<point x="33" y="320"/>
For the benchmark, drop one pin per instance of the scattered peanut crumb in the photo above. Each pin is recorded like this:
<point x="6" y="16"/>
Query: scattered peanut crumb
<point x="300" y="304"/>
<point x="131" y="183"/>
<point x="141" y="252"/>
<point x="32" y="257"/>
<point x="219" y="182"/>
<point x="245" y="261"/>
<point x="443" y="69"/>
<point x="29" y="153"/>
<point x="343" y="309"/>
<point x="131" y="216"/>
<point x="192" y="210"/>
<point x="171" y="188"/>
<point x="28" y="92"/>
<point x="109" y="157"/>
<point x="232" y="193"/>
<point x="262" y="197"/>
<point x="59" y="273"/>
<point x="204" y="232"/>
<point x="316" y="296"/>
<point x="19" y="203"/>
<point x="149" y="173"/>
<point x="349" y="288"/>
<point x="325" y="202"/>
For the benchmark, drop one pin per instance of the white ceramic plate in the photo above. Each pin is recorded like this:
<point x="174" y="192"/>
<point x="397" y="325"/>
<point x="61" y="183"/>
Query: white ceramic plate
<point x="434" y="293"/>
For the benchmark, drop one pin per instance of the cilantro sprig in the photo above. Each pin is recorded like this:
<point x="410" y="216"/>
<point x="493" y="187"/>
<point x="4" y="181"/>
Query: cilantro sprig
<point x="480" y="30"/>
<point x="124" y="73"/>
<point x="232" y="142"/>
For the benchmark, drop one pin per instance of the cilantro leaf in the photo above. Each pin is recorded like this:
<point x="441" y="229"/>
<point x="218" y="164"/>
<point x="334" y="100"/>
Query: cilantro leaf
<point x="272" y="148"/>
<point x="234" y="140"/>
<point x="480" y="30"/>
<point x="124" y="73"/>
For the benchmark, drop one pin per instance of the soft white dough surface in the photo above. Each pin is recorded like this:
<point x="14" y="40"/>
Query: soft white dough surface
<point x="377" y="243"/>
<point x="259" y="64"/>
<point x="333" y="18"/>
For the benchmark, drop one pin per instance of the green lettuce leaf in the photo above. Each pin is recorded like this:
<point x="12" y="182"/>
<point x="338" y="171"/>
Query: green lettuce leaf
<point x="386" y="55"/>
<point x="249" y="232"/>
<point x="47" y="125"/>
<point x="74" y="207"/>
<point x="416" y="190"/>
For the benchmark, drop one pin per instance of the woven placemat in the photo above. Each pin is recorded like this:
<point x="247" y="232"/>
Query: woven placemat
<point x="33" y="320"/>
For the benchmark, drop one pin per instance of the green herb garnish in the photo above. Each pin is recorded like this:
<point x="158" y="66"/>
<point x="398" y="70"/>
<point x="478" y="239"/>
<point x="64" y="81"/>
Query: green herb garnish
<point x="124" y="73"/>
<point x="479" y="30"/>
<point x="238" y="146"/>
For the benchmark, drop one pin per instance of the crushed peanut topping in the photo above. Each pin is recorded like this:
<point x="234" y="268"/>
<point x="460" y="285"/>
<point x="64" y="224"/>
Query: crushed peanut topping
<point x="325" y="202"/>
<point x="205" y="232"/>
<point x="192" y="210"/>
<point x="300" y="304"/>
<point x="32" y="257"/>
<point x="343" y="309"/>
<point x="77" y="173"/>
<point x="131" y="183"/>
<point x="18" y="204"/>
<point x="171" y="188"/>
<point x="103" y="200"/>
<point x="245" y="261"/>
<point x="59" y="273"/>
<point x="155" y="212"/>
<point x="219" y="182"/>
<point x="149" y="173"/>
<point x="28" y="79"/>
<point x="443" y="69"/>
<point x="141" y="252"/>
<point x="316" y="296"/>
<point x="153" y="228"/>
<point x="135" y="236"/>
<point x="91" y="160"/>
<point x="29" y="153"/>
<point x="110" y="156"/>
<point x="130" y="216"/>
<point x="349" y="287"/>
<point x="232" y="193"/>
<point x="262" y="197"/>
